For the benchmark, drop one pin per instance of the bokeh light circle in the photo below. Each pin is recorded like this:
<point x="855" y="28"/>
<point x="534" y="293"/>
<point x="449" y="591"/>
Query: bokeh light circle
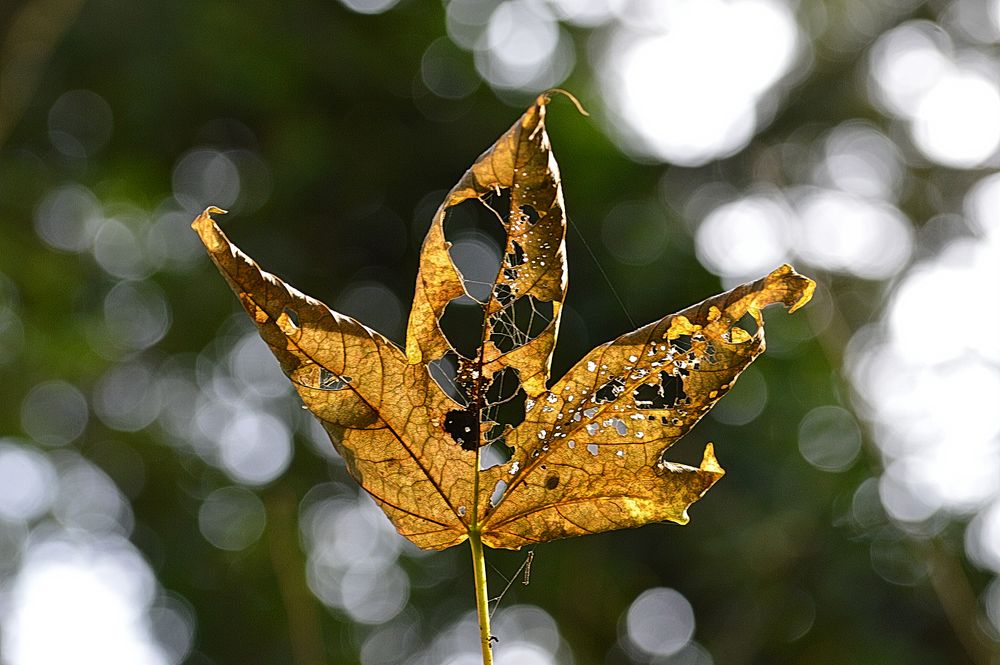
<point x="829" y="438"/>
<point x="660" y="622"/>
<point x="232" y="518"/>
<point x="957" y="122"/>
<point x="255" y="447"/>
<point x="54" y="413"/>
<point x="685" y="89"/>
<point x="745" y="238"/>
<point x="28" y="482"/>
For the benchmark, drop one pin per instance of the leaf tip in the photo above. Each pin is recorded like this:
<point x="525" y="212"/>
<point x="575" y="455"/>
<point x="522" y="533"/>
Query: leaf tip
<point x="807" y="293"/>
<point x="798" y="288"/>
<point x="207" y="230"/>
<point x="709" y="462"/>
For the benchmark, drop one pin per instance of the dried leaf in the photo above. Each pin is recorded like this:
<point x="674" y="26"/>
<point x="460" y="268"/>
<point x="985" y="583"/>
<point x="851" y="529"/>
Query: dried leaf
<point x="588" y="456"/>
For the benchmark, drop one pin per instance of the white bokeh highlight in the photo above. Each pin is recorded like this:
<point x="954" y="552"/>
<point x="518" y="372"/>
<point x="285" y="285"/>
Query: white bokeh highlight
<point x="659" y="622"/>
<point x="844" y="233"/>
<point x="950" y="102"/>
<point x="928" y="379"/>
<point x="684" y="86"/>
<point x="84" y="602"/>
<point x="746" y="238"/>
<point x="27" y="482"/>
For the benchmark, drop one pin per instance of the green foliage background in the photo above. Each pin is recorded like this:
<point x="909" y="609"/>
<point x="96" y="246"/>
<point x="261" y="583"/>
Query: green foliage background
<point x="357" y="153"/>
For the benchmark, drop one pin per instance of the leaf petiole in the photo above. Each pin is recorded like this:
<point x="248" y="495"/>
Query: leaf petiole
<point x="482" y="595"/>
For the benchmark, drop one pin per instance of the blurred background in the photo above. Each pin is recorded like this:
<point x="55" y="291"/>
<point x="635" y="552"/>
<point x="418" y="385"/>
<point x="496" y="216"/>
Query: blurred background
<point x="165" y="500"/>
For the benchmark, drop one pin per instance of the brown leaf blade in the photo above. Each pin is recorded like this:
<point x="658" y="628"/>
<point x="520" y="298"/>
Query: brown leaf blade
<point x="521" y="165"/>
<point x="592" y="447"/>
<point x="380" y="411"/>
<point x="588" y="456"/>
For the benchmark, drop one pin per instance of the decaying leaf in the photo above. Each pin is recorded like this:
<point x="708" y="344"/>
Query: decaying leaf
<point x="586" y="453"/>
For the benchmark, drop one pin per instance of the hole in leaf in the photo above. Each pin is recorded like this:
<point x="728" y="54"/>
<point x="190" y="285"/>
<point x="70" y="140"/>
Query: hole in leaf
<point x="742" y="330"/>
<point x="663" y="395"/>
<point x="444" y="371"/>
<point x="477" y="258"/>
<point x="292" y="315"/>
<point x="497" y="203"/>
<point x="709" y="355"/>
<point x="477" y="230"/>
<point x="486" y="215"/>
<point x="610" y="391"/>
<point x="505" y="399"/>
<point x="497" y="452"/>
<point x="592" y="449"/>
<point x="681" y="343"/>
<point x="330" y="381"/>
<point x="530" y="213"/>
<point x="516" y="257"/>
<point x="463" y="426"/>
<point x="498" y="491"/>
<point x="748" y="323"/>
<point x="462" y="325"/>
<point x="503" y="293"/>
<point x="520" y="322"/>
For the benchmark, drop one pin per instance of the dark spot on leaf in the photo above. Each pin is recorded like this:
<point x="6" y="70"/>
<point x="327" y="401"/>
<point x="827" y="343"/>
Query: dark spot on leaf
<point x="552" y="482"/>
<point x="468" y="370"/>
<point x="610" y="391"/>
<point x="464" y="428"/>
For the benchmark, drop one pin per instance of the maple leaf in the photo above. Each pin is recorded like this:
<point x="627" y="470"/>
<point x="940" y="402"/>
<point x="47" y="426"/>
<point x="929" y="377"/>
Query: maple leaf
<point x="589" y="454"/>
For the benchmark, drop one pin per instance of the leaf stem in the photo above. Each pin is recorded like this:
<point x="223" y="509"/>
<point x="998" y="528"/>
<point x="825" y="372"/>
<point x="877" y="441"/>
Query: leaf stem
<point x="482" y="595"/>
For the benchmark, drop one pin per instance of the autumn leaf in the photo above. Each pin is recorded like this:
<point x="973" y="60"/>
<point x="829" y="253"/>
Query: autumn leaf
<point x="586" y="454"/>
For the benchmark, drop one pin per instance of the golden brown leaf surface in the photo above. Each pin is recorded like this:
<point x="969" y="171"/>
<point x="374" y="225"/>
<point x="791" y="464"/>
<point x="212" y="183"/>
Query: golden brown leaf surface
<point x="588" y="456"/>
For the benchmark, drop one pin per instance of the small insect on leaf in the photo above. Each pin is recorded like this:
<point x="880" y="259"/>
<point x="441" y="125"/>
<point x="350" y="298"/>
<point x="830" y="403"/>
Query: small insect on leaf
<point x="416" y="425"/>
